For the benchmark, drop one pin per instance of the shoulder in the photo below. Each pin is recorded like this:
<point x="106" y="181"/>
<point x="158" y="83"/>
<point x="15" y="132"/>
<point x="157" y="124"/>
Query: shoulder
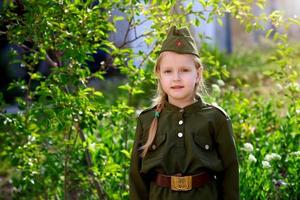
<point x="216" y="110"/>
<point x="146" y="113"/>
<point x="218" y="115"/>
<point x="145" y="117"/>
<point x="221" y="110"/>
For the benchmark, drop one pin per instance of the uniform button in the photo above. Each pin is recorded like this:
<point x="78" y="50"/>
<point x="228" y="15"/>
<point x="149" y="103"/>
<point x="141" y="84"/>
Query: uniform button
<point x="181" y="110"/>
<point x="206" y="146"/>
<point x="180" y="122"/>
<point x="180" y="134"/>
<point x="153" y="146"/>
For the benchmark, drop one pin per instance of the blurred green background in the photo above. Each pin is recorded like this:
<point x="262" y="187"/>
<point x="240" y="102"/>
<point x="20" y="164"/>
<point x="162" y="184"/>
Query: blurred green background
<point x="75" y="75"/>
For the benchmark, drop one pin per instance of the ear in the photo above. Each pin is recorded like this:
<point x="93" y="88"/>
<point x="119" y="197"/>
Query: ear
<point x="199" y="75"/>
<point x="157" y="74"/>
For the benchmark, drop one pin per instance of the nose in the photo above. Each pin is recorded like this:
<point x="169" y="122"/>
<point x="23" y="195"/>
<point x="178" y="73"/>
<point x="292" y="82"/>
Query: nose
<point x="176" y="76"/>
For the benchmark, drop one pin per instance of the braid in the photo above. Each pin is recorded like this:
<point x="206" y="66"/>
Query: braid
<point x="153" y="128"/>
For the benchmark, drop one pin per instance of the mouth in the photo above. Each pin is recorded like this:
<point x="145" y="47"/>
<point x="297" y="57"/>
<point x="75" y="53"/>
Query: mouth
<point x="177" y="87"/>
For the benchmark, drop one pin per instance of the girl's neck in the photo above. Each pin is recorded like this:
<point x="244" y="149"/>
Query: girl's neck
<point x="182" y="103"/>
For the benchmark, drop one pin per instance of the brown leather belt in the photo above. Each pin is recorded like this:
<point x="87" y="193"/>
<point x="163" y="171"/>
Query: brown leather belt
<point x="182" y="183"/>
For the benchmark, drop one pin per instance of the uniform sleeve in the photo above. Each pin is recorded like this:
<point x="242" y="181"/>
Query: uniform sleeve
<point x="138" y="183"/>
<point x="229" y="178"/>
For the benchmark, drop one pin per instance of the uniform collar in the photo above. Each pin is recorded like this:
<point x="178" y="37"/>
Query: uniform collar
<point x="192" y="107"/>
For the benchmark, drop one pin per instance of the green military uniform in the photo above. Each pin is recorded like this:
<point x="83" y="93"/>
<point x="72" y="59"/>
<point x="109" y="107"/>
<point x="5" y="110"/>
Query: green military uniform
<point x="188" y="141"/>
<point x="191" y="140"/>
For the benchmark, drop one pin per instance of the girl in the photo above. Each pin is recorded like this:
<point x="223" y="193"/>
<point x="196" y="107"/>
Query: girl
<point x="184" y="148"/>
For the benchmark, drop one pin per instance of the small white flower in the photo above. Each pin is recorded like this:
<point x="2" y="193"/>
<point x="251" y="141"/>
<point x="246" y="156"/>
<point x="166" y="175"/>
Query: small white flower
<point x="266" y="164"/>
<point x="252" y="158"/>
<point x="31" y="138"/>
<point x="248" y="147"/>
<point x="92" y="146"/>
<point x="216" y="89"/>
<point x="231" y="88"/>
<point x="220" y="82"/>
<point x="279" y="86"/>
<point x="294" y="86"/>
<point x="295" y="153"/>
<point x="272" y="156"/>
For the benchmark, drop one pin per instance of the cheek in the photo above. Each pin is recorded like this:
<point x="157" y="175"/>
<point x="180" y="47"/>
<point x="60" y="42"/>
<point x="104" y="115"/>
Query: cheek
<point x="192" y="79"/>
<point x="163" y="82"/>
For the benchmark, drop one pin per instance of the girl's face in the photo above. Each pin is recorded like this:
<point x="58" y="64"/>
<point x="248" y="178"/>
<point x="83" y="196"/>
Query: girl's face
<point x="178" y="77"/>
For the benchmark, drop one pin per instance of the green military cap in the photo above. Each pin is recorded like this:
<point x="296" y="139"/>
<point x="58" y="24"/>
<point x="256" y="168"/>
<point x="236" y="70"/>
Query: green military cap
<point x="180" y="41"/>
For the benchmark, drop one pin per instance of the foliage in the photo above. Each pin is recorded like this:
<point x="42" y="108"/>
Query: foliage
<point x="69" y="141"/>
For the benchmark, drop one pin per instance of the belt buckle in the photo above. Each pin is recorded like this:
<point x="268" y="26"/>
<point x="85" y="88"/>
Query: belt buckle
<point x="181" y="183"/>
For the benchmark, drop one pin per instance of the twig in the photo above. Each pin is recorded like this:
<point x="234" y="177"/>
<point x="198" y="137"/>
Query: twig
<point x="128" y="29"/>
<point x="48" y="59"/>
<point x="134" y="25"/>
<point x="136" y="38"/>
<point x="147" y="56"/>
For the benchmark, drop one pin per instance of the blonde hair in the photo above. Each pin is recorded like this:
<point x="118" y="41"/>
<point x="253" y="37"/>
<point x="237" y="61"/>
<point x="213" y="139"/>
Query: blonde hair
<point x="161" y="97"/>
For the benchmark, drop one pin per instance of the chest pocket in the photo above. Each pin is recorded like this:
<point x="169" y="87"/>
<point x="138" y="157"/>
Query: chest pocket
<point x="158" y="141"/>
<point x="204" y="142"/>
<point x="155" y="151"/>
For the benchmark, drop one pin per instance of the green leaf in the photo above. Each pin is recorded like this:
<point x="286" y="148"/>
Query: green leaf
<point x="203" y="3"/>
<point x="118" y="18"/>
<point x="126" y="153"/>
<point x="295" y="21"/>
<point x="220" y="21"/>
<point x="189" y="7"/>
<point x="125" y="87"/>
<point x="197" y="22"/>
<point x="98" y="93"/>
<point x="35" y="76"/>
<point x="269" y="33"/>
<point x="137" y="91"/>
<point x="260" y="5"/>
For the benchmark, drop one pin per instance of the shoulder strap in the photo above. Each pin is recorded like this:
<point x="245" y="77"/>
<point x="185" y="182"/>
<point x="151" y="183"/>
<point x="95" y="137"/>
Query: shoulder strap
<point x="148" y="109"/>
<point x="220" y="109"/>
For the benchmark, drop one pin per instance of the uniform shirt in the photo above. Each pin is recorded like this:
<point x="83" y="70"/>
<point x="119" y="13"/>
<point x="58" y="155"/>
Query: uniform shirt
<point x="188" y="141"/>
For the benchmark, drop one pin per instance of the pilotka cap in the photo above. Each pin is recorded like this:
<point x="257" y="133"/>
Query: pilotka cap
<point x="180" y="41"/>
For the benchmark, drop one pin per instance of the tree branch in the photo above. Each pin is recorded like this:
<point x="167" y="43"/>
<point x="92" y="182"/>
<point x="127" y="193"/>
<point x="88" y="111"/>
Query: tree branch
<point x="127" y="31"/>
<point x="48" y="59"/>
<point x="136" y="38"/>
<point x="147" y="56"/>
